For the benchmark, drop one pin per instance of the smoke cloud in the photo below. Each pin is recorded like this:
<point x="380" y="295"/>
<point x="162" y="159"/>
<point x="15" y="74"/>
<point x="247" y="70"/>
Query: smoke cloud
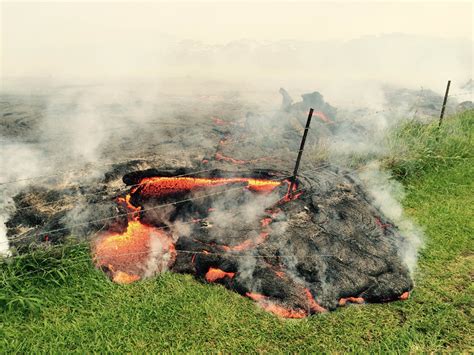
<point x="387" y="195"/>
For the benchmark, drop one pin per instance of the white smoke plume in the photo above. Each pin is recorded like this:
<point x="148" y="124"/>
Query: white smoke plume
<point x="387" y="194"/>
<point x="17" y="162"/>
<point x="159" y="257"/>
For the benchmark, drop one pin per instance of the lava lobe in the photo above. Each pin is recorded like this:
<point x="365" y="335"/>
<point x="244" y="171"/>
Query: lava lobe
<point x="294" y="253"/>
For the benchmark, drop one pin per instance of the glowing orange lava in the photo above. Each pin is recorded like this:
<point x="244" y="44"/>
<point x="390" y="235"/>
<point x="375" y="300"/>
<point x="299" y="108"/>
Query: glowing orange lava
<point x="164" y="186"/>
<point x="127" y="255"/>
<point x="266" y="221"/>
<point x="247" y="244"/>
<point x="215" y="274"/>
<point x="405" y="295"/>
<point x="132" y="210"/>
<point x="221" y="122"/>
<point x="143" y="250"/>
<point x="280" y="274"/>
<point x="358" y="300"/>
<point x="123" y="278"/>
<point x="312" y="303"/>
<point x="278" y="310"/>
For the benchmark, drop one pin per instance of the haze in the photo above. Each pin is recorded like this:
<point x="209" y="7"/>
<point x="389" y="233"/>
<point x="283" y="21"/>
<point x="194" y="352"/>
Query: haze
<point x="284" y="42"/>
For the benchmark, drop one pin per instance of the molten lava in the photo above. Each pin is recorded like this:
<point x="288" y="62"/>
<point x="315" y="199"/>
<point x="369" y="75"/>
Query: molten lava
<point x="215" y="274"/>
<point x="405" y="295"/>
<point x="123" y="278"/>
<point x="221" y="122"/>
<point x="127" y="256"/>
<point x="358" y="300"/>
<point x="220" y="156"/>
<point x="270" y="306"/>
<point x="166" y="186"/>
<point x="133" y="212"/>
<point x="247" y="244"/>
<point x="312" y="303"/>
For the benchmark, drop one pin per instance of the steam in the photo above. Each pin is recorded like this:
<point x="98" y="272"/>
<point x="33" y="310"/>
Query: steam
<point x="4" y="250"/>
<point x="246" y="269"/>
<point x="239" y="219"/>
<point x="18" y="161"/>
<point x="70" y="135"/>
<point x="159" y="258"/>
<point x="387" y="194"/>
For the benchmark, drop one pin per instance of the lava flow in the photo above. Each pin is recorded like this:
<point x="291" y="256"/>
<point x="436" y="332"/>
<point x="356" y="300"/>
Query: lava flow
<point x="215" y="274"/>
<point x="166" y="186"/>
<point x="358" y="300"/>
<point x="142" y="250"/>
<point x="139" y="251"/>
<point x="251" y="235"/>
<point x="272" y="307"/>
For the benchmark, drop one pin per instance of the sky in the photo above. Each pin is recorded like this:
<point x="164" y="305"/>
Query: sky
<point x="56" y="38"/>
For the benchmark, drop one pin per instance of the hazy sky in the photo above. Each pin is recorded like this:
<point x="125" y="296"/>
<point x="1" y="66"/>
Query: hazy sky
<point x="219" y="22"/>
<point x="38" y="36"/>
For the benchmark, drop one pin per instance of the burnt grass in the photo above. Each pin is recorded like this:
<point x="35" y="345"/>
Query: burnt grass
<point x="56" y="301"/>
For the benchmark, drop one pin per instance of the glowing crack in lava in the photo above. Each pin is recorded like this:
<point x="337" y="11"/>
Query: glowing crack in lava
<point x="163" y="186"/>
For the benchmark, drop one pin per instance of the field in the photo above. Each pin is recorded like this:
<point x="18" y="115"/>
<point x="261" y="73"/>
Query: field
<point x="56" y="301"/>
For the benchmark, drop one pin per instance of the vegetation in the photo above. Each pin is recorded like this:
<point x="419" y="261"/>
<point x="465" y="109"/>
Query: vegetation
<point x="57" y="301"/>
<point x="417" y="149"/>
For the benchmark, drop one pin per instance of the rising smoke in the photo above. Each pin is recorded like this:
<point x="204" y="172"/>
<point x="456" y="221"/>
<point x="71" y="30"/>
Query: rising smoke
<point x="387" y="195"/>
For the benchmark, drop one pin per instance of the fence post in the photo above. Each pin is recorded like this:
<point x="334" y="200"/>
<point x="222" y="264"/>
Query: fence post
<point x="444" y="103"/>
<point x="300" y="151"/>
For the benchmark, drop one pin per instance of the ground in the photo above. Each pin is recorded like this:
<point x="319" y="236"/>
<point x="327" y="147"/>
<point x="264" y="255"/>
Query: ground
<point x="70" y="306"/>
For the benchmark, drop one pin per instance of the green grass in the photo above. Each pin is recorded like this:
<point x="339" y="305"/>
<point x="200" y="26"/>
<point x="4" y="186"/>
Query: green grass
<point x="56" y="301"/>
<point x="416" y="148"/>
